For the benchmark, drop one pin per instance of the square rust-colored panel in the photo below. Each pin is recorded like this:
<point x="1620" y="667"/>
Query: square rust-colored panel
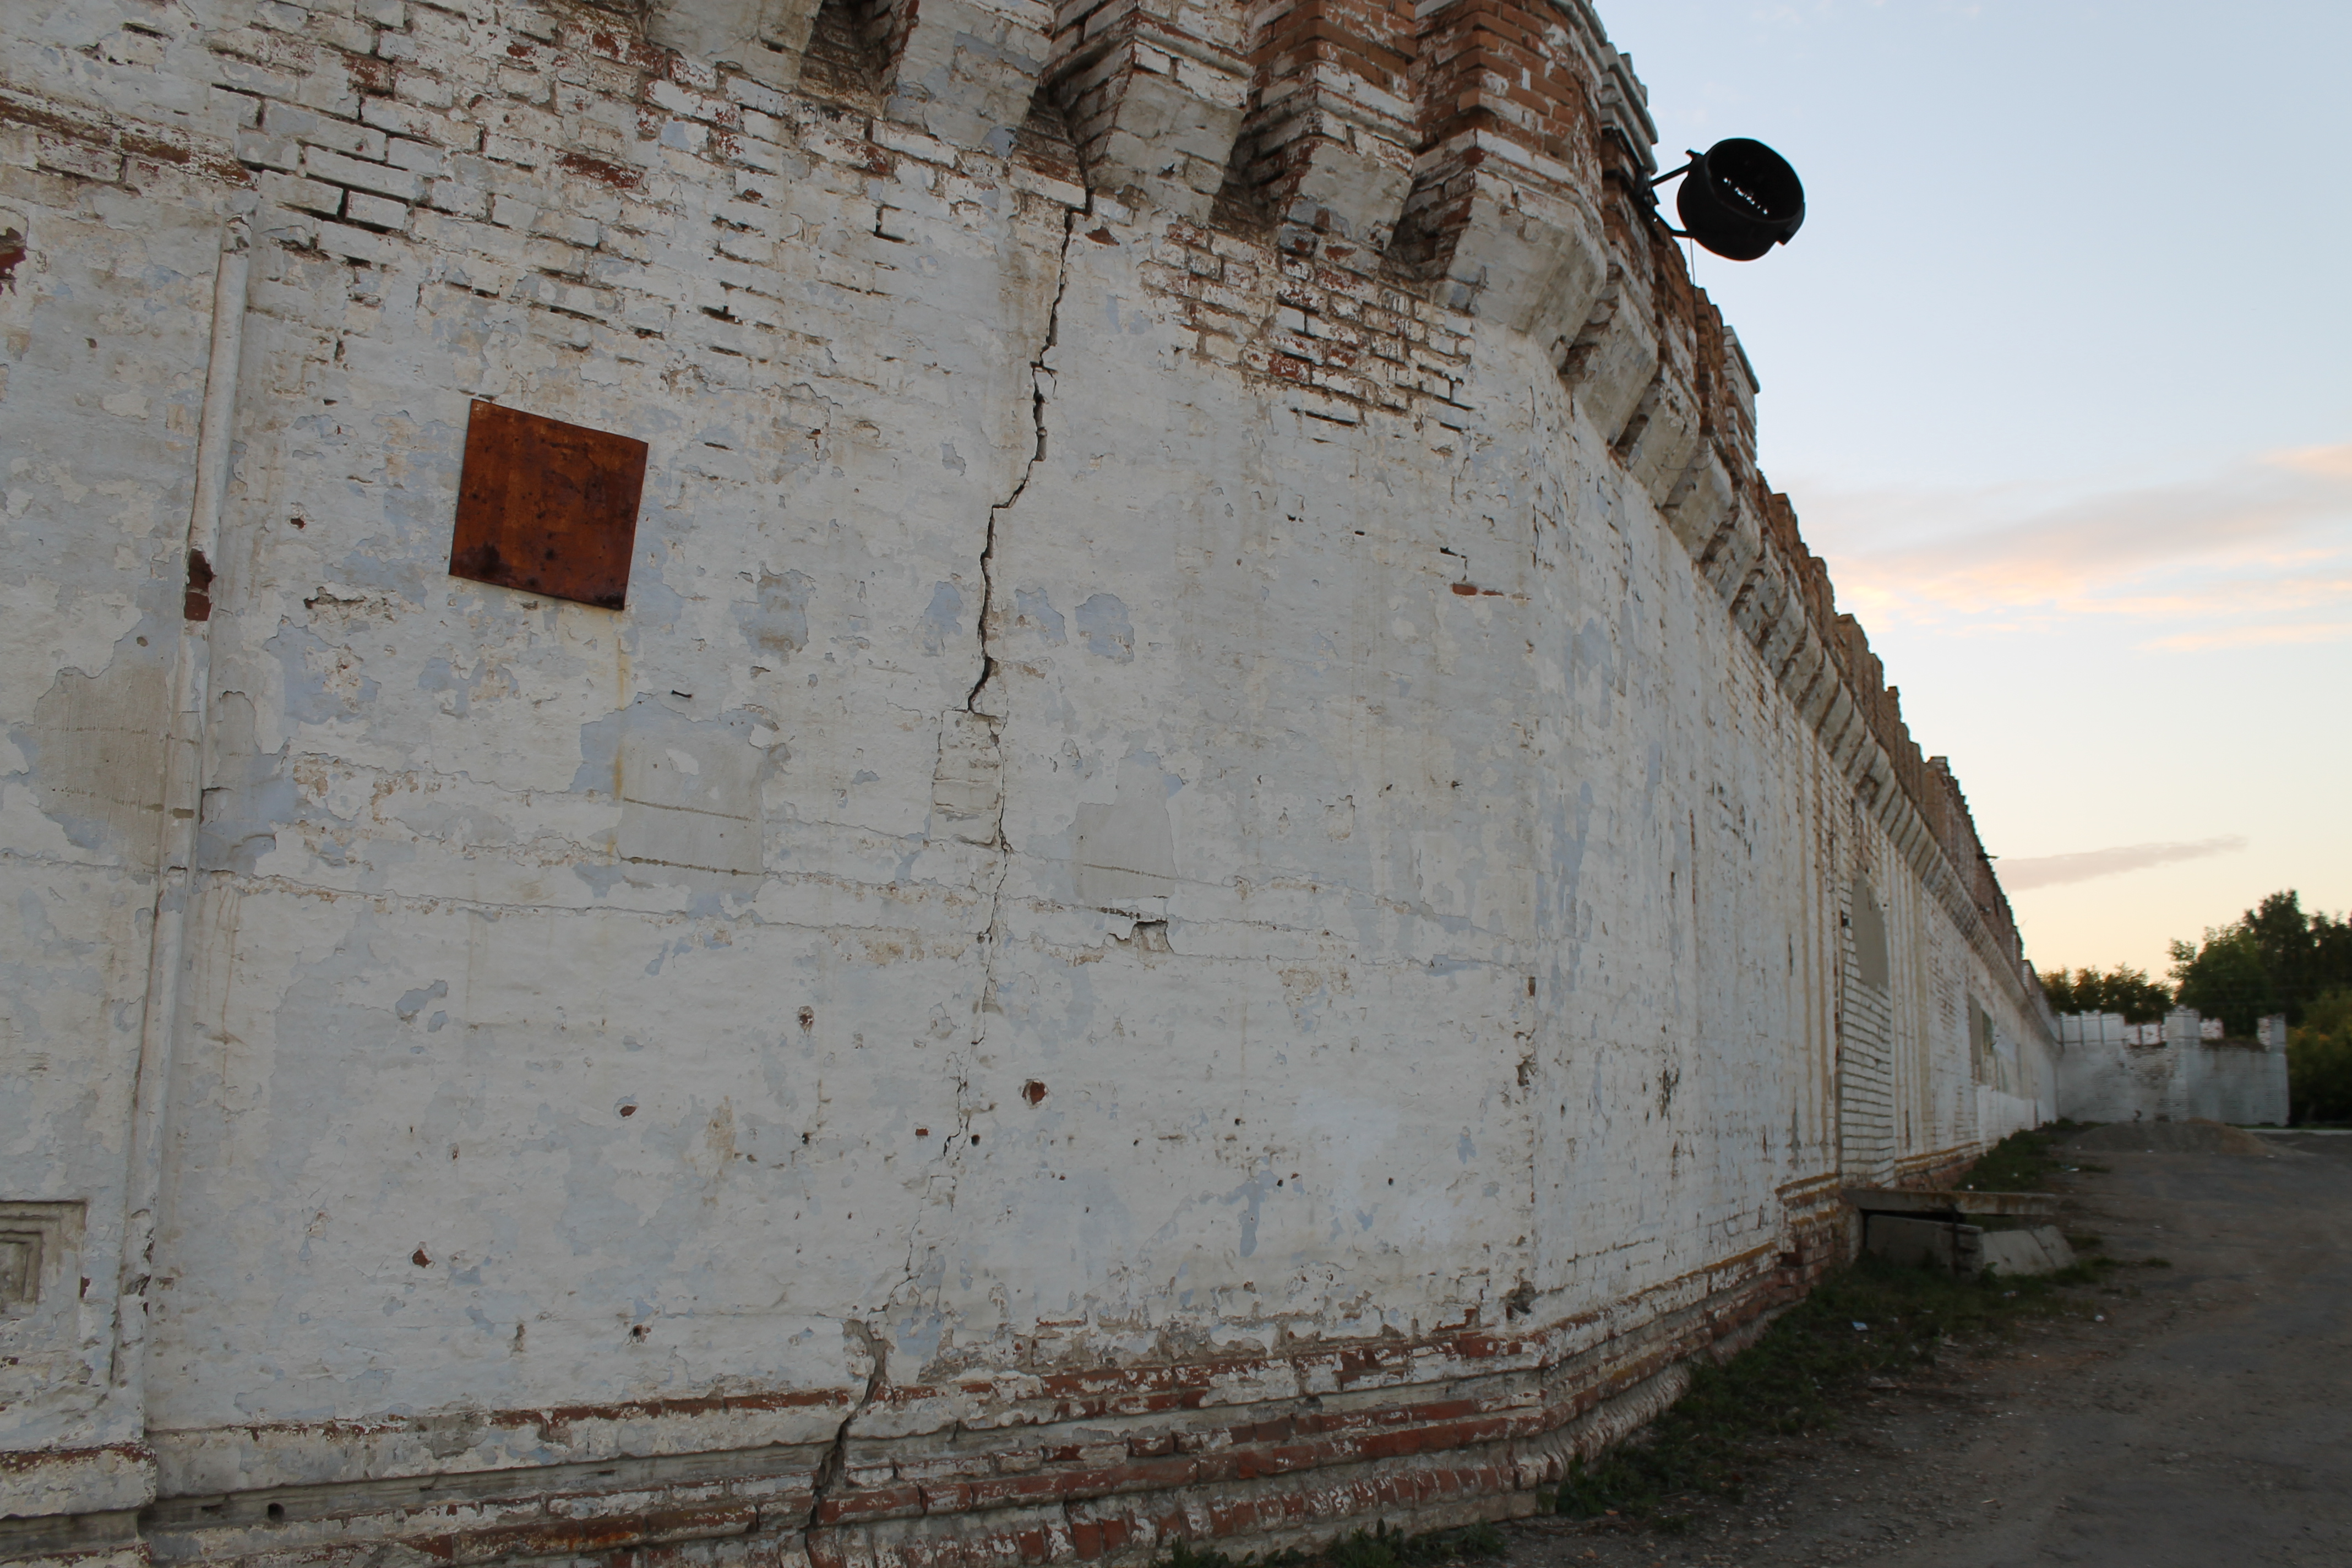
<point x="546" y="508"/>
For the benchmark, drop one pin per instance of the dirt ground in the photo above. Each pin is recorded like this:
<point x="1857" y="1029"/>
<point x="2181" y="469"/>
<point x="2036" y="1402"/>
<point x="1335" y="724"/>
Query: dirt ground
<point x="2204" y="1418"/>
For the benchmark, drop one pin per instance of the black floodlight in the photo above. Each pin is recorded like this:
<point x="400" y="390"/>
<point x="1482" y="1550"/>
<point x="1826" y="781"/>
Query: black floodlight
<point x="1739" y="199"/>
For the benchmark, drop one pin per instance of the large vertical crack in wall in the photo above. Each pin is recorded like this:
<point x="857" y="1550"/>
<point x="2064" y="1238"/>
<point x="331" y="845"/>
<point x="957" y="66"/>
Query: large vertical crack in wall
<point x="1040" y="379"/>
<point x="990" y="933"/>
<point x="835" y="1465"/>
<point x="1039" y="376"/>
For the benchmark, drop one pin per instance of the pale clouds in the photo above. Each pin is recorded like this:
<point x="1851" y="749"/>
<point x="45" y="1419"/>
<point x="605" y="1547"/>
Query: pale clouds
<point x="2056" y="870"/>
<point x="2256" y="636"/>
<point x="2258" y="554"/>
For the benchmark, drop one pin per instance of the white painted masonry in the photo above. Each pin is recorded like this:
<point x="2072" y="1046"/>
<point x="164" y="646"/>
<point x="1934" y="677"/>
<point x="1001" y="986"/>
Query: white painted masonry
<point x="1203" y="891"/>
<point x="2109" y="1072"/>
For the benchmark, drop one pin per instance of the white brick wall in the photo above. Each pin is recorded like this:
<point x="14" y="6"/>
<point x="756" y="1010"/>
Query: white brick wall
<point x="1222" y="866"/>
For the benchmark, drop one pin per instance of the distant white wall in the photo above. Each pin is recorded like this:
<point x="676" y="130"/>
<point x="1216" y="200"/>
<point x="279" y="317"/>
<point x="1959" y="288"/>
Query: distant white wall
<point x="2109" y="1070"/>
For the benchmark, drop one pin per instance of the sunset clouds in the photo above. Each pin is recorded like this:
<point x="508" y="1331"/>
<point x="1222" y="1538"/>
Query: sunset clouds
<point x="2075" y="441"/>
<point x="2057" y="870"/>
<point x="2258" y="554"/>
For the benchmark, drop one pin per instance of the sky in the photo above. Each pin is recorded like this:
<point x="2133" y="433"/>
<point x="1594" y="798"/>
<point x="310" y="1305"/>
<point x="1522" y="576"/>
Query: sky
<point x="2058" y="374"/>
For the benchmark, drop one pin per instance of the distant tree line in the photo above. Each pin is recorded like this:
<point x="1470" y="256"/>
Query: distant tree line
<point x="2277" y="957"/>
<point x="2274" y="958"/>
<point x="2118" y="989"/>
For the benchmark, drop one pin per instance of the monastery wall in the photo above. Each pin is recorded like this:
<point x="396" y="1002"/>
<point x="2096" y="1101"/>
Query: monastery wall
<point x="1228" y="873"/>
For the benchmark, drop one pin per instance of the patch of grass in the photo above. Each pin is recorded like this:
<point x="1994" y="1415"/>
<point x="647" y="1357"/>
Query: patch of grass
<point x="1378" y="1547"/>
<point x="2086" y="1240"/>
<point x="1873" y="1319"/>
<point x="2156" y="1263"/>
<point x="1386" y="1547"/>
<point x="2085" y="1271"/>
<point x="2024" y="1162"/>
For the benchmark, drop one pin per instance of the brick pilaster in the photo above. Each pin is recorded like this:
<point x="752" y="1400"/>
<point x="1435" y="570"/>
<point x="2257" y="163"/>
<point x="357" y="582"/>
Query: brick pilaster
<point x="1330" y="134"/>
<point x="1501" y="208"/>
<point x="764" y="39"/>
<point x="1154" y="91"/>
<point x="964" y="70"/>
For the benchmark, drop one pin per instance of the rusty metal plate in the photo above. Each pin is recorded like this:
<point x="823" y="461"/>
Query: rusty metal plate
<point x="546" y="508"/>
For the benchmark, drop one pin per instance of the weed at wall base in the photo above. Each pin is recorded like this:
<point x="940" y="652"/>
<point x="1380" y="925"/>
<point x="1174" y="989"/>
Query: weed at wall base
<point x="1378" y="1547"/>
<point x="1873" y="1319"/>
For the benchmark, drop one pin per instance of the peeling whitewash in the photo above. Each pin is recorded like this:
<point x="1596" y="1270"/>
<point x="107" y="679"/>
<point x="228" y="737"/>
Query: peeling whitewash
<point x="1097" y="902"/>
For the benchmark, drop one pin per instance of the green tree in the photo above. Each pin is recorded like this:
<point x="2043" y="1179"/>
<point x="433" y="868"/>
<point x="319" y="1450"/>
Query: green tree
<point x="2274" y="958"/>
<point x="2122" y="989"/>
<point x="2225" y="978"/>
<point x="2319" y="1061"/>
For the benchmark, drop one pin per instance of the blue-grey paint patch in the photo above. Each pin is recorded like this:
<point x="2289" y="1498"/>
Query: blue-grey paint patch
<point x="1306" y="1010"/>
<point x="778" y="624"/>
<point x="939" y="621"/>
<point x="690" y="790"/>
<point x="252" y="794"/>
<point x="413" y="1002"/>
<point x="1592" y="655"/>
<point x="378" y="565"/>
<point x="439" y="675"/>
<point x="1464" y="1149"/>
<point x="915" y="1337"/>
<point x="1103" y="622"/>
<point x="600" y="753"/>
<point x="463" y="822"/>
<point x="1032" y="607"/>
<point x="646" y="717"/>
<point x="601" y="879"/>
<point x="305" y="657"/>
<point x="654" y="605"/>
<point x="1252" y="1192"/>
<point x="949" y="459"/>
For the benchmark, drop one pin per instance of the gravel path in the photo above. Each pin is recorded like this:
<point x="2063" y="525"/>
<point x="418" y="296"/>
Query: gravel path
<point x="2206" y="1422"/>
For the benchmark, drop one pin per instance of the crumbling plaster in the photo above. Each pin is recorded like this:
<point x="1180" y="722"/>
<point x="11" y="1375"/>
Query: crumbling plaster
<point x="1082" y="858"/>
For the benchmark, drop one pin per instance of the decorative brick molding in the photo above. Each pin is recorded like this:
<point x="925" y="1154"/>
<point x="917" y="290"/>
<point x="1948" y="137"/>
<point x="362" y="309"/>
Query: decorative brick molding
<point x="1503" y="188"/>
<point x="964" y="70"/>
<point x="1154" y="91"/>
<point x="764" y="39"/>
<point x="1329" y="140"/>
